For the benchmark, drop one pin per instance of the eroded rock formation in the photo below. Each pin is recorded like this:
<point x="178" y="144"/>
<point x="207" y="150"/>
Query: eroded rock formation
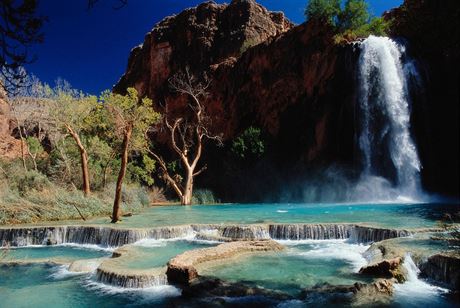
<point x="9" y="146"/>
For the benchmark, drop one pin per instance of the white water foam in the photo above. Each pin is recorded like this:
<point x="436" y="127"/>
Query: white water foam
<point x="62" y="272"/>
<point x="385" y="121"/>
<point x="331" y="249"/>
<point x="141" y="295"/>
<point x="416" y="292"/>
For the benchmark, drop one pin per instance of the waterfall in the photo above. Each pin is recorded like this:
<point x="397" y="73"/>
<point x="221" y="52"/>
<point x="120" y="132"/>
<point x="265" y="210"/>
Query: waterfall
<point x="416" y="292"/>
<point x="387" y="149"/>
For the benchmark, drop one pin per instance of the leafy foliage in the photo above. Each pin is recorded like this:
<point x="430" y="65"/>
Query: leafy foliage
<point x="323" y="9"/>
<point x="249" y="144"/>
<point x="351" y="21"/>
<point x="128" y="110"/>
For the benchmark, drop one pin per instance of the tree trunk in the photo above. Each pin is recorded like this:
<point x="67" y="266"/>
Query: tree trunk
<point x="188" y="189"/>
<point x="85" y="171"/>
<point x="124" y="163"/>
<point x="23" y="154"/>
<point x="84" y="161"/>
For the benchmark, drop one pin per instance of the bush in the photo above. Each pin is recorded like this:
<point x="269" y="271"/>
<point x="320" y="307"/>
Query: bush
<point x="27" y="197"/>
<point x="32" y="181"/>
<point x="249" y="144"/>
<point x="203" y="196"/>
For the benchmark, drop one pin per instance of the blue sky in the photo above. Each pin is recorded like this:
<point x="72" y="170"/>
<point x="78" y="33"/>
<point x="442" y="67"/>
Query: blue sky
<point x="90" y="48"/>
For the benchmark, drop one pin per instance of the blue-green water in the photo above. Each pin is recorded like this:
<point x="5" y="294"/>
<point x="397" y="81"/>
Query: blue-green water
<point x="156" y="253"/>
<point x="392" y="215"/>
<point x="62" y="252"/>
<point x="38" y="286"/>
<point x="385" y="215"/>
<point x="303" y="264"/>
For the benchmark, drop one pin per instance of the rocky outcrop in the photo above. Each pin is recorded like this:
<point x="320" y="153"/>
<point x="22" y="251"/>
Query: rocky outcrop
<point x="204" y="287"/>
<point x="359" y="294"/>
<point x="183" y="268"/>
<point x="299" y="87"/>
<point x="209" y="35"/>
<point x="385" y="269"/>
<point x="443" y="268"/>
<point x="305" y="109"/>
<point x="9" y="146"/>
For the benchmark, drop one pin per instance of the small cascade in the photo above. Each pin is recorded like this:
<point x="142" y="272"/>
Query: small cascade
<point x="388" y="150"/>
<point x="310" y="231"/>
<point x="241" y="232"/>
<point x="416" y="291"/>
<point x="108" y="237"/>
<point x="112" y="237"/>
<point x="126" y="280"/>
<point x="363" y="234"/>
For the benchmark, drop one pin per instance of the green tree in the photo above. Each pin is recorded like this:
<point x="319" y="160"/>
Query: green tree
<point x="131" y="118"/>
<point x="323" y="9"/>
<point x="34" y="148"/>
<point x="354" y="15"/>
<point x="249" y="144"/>
<point x="75" y="113"/>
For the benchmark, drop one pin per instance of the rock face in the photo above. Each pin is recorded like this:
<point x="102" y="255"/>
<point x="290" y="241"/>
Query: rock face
<point x="378" y="293"/>
<point x="206" y="36"/>
<point x="9" y="147"/>
<point x="444" y="268"/>
<point x="297" y="86"/>
<point x="385" y="269"/>
<point x="304" y="108"/>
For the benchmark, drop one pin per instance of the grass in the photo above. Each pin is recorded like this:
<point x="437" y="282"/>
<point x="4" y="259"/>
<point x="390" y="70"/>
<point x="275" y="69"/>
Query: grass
<point x="31" y="197"/>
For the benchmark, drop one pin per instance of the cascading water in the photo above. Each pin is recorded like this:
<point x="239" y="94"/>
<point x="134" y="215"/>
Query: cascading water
<point x="388" y="151"/>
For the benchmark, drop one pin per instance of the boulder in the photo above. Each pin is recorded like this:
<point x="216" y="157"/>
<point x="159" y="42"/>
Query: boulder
<point x="443" y="268"/>
<point x="390" y="268"/>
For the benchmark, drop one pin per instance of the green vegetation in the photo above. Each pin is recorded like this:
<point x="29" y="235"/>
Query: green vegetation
<point x="204" y="196"/>
<point x="350" y="21"/>
<point x="71" y="142"/>
<point x="130" y="118"/>
<point x="249" y="145"/>
<point x="30" y="196"/>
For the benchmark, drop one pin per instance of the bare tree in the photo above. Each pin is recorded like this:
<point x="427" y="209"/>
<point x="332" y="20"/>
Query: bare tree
<point x="187" y="135"/>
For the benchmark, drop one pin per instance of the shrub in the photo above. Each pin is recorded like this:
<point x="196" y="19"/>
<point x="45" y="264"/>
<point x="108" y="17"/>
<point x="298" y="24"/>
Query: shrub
<point x="203" y="196"/>
<point x="249" y="144"/>
<point x="32" y="181"/>
<point x="156" y="195"/>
